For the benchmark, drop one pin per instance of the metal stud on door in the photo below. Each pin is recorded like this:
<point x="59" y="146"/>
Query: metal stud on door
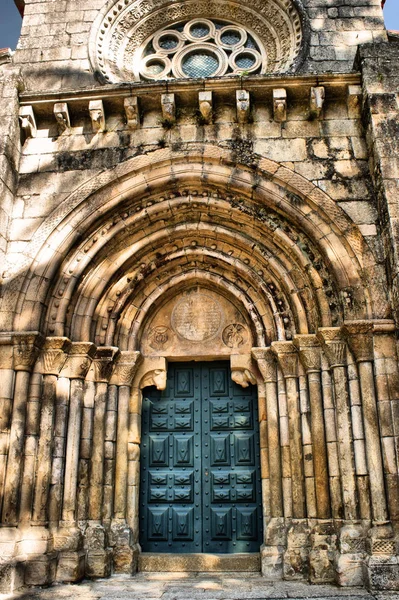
<point x="200" y="473"/>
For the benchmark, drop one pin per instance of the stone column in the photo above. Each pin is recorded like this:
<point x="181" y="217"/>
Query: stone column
<point x="382" y="566"/>
<point x="53" y="358"/>
<point x="271" y="553"/>
<point x="387" y="384"/>
<point x="68" y="538"/>
<point x="98" y="556"/>
<point x="310" y="356"/>
<point x="121" y="534"/>
<point x="6" y="394"/>
<point x="26" y="349"/>
<point x="288" y="360"/>
<point x="349" y="560"/>
<point x="360" y="339"/>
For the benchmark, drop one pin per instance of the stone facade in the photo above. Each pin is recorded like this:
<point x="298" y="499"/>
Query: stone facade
<point x="251" y="217"/>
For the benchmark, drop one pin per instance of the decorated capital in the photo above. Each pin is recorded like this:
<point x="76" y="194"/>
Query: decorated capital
<point x="54" y="354"/>
<point x="103" y="363"/>
<point x="309" y="352"/>
<point x="266" y="361"/>
<point x="334" y="345"/>
<point x="125" y="369"/>
<point x="359" y="335"/>
<point x="26" y="349"/>
<point x="79" y="360"/>
<point x="287" y="356"/>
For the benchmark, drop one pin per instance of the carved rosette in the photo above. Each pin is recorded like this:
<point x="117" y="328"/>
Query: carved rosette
<point x="125" y="368"/>
<point x="103" y="363"/>
<point x="334" y="345"/>
<point x="309" y="352"/>
<point x="360" y="339"/>
<point x="266" y="361"/>
<point x="26" y="349"/>
<point x="54" y="354"/>
<point x="79" y="360"/>
<point x="287" y="357"/>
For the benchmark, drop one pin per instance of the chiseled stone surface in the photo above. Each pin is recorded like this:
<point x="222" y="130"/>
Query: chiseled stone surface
<point x="199" y="586"/>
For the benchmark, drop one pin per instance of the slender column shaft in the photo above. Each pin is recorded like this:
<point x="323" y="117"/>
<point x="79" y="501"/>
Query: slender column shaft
<point x="288" y="360"/>
<point x="267" y="366"/>
<point x="72" y="450"/>
<point x="86" y="442"/>
<point x="121" y="452"/>
<point x="32" y="429"/>
<point x="44" y="454"/>
<point x="97" y="455"/>
<point x="110" y="443"/>
<point x="6" y="393"/>
<point x="286" y="480"/>
<point x="59" y="449"/>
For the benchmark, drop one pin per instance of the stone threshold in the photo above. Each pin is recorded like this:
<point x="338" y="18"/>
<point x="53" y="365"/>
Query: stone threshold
<point x="153" y="562"/>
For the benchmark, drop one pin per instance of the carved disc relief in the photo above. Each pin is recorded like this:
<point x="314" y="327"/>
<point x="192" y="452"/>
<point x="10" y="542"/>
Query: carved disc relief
<point x="197" y="318"/>
<point x="122" y="31"/>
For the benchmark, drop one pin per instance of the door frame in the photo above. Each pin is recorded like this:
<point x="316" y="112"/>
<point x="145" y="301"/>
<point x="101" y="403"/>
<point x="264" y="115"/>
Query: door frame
<point x="153" y="372"/>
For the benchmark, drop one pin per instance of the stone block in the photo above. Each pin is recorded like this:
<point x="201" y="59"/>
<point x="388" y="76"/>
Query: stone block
<point x="11" y="576"/>
<point x="382" y="572"/>
<point x="98" y="564"/>
<point x="271" y="558"/>
<point x="40" y="570"/>
<point x="71" y="566"/>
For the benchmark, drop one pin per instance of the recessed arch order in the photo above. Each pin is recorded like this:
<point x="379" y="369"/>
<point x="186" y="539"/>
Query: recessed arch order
<point x="259" y="232"/>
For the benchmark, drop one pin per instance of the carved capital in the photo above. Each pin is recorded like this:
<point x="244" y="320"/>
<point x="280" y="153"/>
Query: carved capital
<point x="287" y="357"/>
<point x="241" y="370"/>
<point x="125" y="369"/>
<point x="334" y="345"/>
<point x="26" y="349"/>
<point x="54" y="354"/>
<point x="360" y="339"/>
<point x="266" y="361"/>
<point x="79" y="360"/>
<point x="309" y="352"/>
<point x="103" y="363"/>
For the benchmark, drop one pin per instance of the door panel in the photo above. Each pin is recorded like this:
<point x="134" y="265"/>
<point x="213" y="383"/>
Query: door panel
<point x="200" y="474"/>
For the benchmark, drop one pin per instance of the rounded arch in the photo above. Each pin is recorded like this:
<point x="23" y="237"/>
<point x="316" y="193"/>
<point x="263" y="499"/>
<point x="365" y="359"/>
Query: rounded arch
<point x="291" y="249"/>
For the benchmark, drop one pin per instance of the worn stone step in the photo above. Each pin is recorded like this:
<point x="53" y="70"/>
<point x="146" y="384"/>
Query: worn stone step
<point x="156" y="562"/>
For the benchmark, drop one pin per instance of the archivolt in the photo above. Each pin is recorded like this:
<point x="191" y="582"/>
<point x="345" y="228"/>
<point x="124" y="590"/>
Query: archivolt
<point x="126" y="237"/>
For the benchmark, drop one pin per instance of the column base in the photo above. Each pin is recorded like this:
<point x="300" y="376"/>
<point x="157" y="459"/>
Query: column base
<point x="323" y="549"/>
<point x="125" y="553"/>
<point x="11" y="576"/>
<point x="271" y="560"/>
<point x="349" y="561"/>
<point x="296" y="556"/>
<point x="71" y="566"/>
<point x="41" y="569"/>
<point x="382" y="572"/>
<point x="99" y="564"/>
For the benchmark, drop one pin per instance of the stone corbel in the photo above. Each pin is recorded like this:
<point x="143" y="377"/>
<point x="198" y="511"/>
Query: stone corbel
<point x="97" y="115"/>
<point x="79" y="360"/>
<point x="125" y="369"/>
<point x="243" y="106"/>
<point x="354" y="99"/>
<point x="103" y="364"/>
<point x="6" y="351"/>
<point x="287" y="356"/>
<point x="317" y="96"/>
<point x="153" y="373"/>
<point x="205" y="106"/>
<point x="334" y="345"/>
<point x="132" y="111"/>
<point x="168" y="104"/>
<point x="27" y="121"/>
<point x="309" y="352"/>
<point x="242" y="370"/>
<point x="267" y="365"/>
<point x="280" y="105"/>
<point x="360" y="339"/>
<point x="54" y="354"/>
<point x="26" y="349"/>
<point x="61" y="114"/>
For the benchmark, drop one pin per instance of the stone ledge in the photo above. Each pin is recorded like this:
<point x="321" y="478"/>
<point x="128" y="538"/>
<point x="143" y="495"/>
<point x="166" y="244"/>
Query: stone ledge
<point x="154" y="562"/>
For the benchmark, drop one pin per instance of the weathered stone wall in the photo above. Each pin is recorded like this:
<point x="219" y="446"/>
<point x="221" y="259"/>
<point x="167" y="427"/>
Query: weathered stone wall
<point x="53" y="49"/>
<point x="278" y="194"/>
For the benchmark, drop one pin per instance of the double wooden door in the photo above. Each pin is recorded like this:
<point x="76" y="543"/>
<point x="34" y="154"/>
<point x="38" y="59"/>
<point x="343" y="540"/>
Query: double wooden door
<point x="200" y="466"/>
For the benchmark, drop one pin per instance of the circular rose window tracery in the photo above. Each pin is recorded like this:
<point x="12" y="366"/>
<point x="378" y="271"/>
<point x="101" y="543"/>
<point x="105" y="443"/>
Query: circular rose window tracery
<point x="141" y="40"/>
<point x="200" y="48"/>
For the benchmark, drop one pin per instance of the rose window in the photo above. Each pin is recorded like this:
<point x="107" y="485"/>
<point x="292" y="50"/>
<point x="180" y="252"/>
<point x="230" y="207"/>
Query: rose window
<point x="201" y="48"/>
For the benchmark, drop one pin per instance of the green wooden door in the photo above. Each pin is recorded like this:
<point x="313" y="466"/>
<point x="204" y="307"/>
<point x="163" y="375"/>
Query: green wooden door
<point x="200" y="467"/>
